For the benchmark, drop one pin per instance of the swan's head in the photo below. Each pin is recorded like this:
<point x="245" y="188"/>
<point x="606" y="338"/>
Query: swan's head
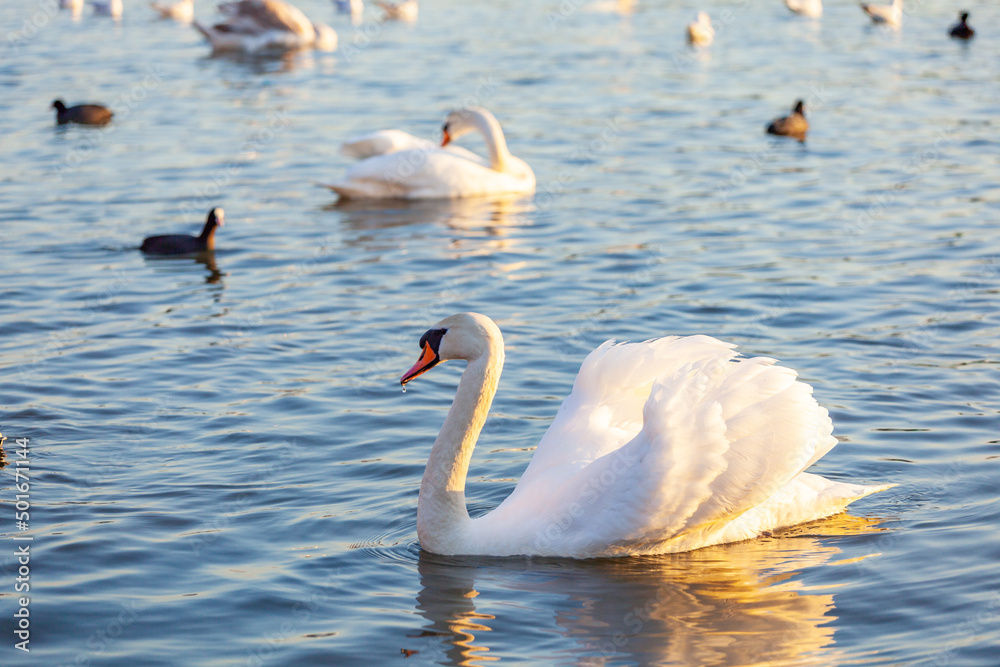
<point x="463" y="336"/>
<point x="463" y="121"/>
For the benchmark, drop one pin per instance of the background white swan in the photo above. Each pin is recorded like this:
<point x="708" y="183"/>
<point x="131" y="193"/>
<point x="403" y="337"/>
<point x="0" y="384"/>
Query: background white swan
<point x="355" y="8"/>
<point x="260" y="25"/>
<point x="810" y="8"/>
<point x="405" y="11"/>
<point x="701" y="32"/>
<point x="398" y="165"/>
<point x="890" y="15"/>
<point x="182" y="10"/>
<point x="112" y="8"/>
<point x="663" y="446"/>
<point x="75" y="6"/>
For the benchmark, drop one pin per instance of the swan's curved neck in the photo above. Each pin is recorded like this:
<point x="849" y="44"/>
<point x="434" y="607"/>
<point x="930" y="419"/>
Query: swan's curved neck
<point x="442" y="517"/>
<point x="495" y="142"/>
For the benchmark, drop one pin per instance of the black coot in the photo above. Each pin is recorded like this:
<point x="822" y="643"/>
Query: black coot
<point x="84" y="114"/>
<point x="182" y="244"/>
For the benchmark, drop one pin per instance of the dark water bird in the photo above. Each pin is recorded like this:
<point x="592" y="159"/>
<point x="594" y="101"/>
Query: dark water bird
<point x="182" y="244"/>
<point x="794" y="126"/>
<point x="961" y="30"/>
<point x="84" y="114"/>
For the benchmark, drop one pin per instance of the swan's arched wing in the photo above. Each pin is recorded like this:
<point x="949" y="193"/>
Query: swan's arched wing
<point x="665" y="442"/>
<point x="383" y="142"/>
<point x="605" y="409"/>
<point x="719" y="437"/>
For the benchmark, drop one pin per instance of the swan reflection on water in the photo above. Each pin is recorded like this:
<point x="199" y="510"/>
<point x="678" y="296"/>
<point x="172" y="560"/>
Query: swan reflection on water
<point x="276" y="62"/>
<point x="741" y="603"/>
<point x="489" y="217"/>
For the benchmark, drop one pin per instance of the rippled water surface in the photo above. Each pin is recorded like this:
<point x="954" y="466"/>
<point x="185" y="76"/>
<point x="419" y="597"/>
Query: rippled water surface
<point x="223" y="469"/>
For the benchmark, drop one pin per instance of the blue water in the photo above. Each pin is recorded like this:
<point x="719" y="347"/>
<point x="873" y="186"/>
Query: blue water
<point x="223" y="469"/>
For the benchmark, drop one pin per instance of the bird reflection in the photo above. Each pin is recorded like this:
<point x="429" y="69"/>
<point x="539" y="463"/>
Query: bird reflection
<point x="489" y="217"/>
<point x="276" y="62"/>
<point x="741" y="603"/>
<point x="205" y="258"/>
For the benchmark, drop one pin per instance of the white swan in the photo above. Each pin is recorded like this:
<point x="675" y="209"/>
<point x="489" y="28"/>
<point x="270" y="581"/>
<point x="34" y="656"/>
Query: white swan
<point x="622" y="7"/>
<point x="890" y="15"/>
<point x="701" y="32"/>
<point x="182" y="10"/>
<point x="353" y="7"/>
<point x="663" y="446"/>
<point x="810" y="8"/>
<point x="405" y="11"/>
<point x="112" y="8"/>
<point x="262" y="25"/>
<point x="397" y="165"/>
<point x="75" y="6"/>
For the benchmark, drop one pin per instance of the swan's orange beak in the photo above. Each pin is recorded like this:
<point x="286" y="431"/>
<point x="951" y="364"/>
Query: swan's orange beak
<point x="428" y="360"/>
<point x="446" y="139"/>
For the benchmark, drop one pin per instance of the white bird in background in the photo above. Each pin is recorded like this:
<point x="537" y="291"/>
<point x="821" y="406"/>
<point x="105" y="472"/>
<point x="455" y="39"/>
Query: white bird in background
<point x="890" y="15"/>
<point x="397" y="165"/>
<point x="262" y="25"/>
<point x="352" y="7"/>
<point x="623" y="7"/>
<point x="182" y="10"/>
<point x="401" y="11"/>
<point x="810" y="8"/>
<point x="701" y="32"/>
<point x="112" y="8"/>
<point x="664" y="446"/>
<point x="75" y="6"/>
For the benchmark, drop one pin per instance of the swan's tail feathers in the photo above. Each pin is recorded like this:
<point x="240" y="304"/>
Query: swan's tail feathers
<point x="806" y="498"/>
<point x="826" y="497"/>
<point x="870" y="489"/>
<point x="340" y="188"/>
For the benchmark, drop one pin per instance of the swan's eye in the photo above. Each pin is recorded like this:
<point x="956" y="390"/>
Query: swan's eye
<point x="433" y="338"/>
